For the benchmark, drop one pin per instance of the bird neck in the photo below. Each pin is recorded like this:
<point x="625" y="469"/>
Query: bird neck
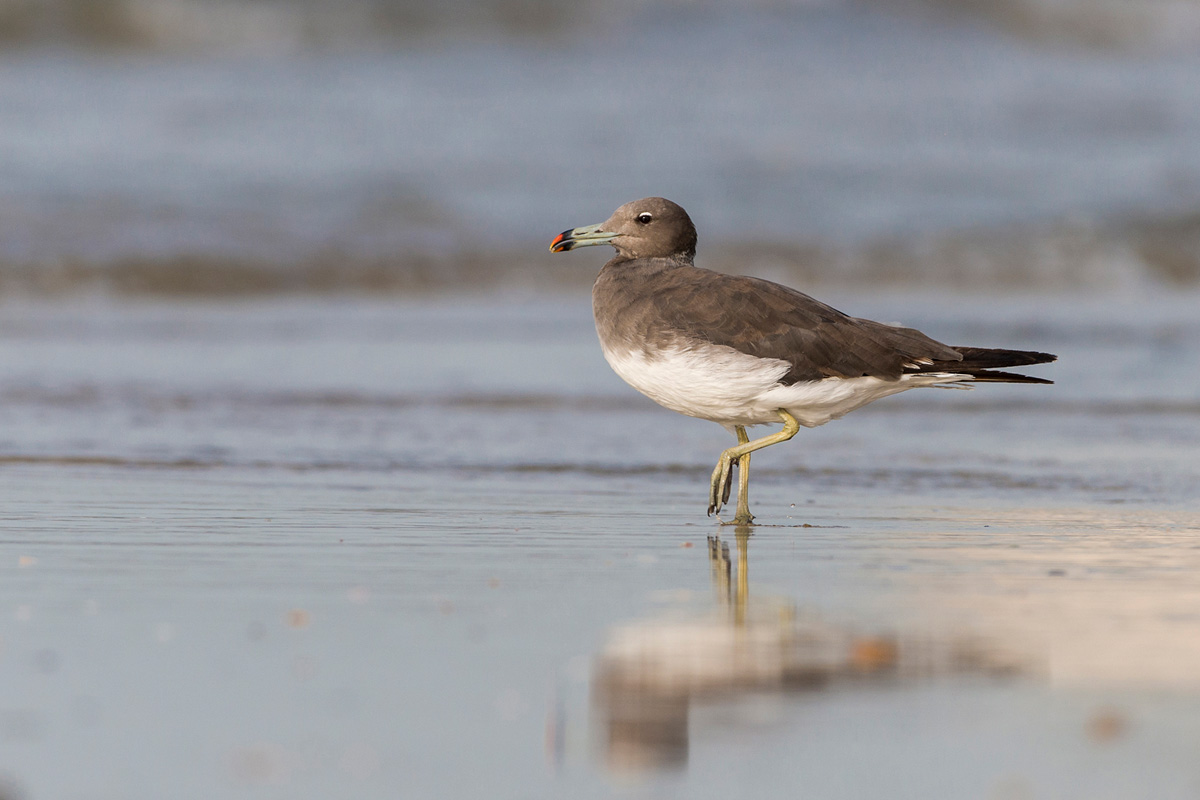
<point x="646" y="267"/>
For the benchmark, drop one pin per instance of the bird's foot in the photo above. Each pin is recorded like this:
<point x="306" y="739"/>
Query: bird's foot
<point x="722" y="483"/>
<point x="743" y="518"/>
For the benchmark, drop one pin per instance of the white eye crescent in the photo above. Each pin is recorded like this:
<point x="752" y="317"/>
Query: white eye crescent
<point x="644" y="217"/>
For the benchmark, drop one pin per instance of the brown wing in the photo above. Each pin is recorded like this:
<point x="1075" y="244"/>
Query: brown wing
<point x="768" y="320"/>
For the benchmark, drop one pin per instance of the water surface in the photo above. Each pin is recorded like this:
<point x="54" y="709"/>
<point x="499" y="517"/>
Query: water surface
<point x="302" y="548"/>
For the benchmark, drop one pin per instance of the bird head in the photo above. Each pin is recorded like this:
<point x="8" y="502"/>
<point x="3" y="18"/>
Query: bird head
<point x="652" y="227"/>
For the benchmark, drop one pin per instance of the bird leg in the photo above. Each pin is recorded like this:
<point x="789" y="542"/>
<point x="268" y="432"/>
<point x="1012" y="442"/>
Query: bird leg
<point x="743" y="465"/>
<point x="722" y="476"/>
<point x="743" y="516"/>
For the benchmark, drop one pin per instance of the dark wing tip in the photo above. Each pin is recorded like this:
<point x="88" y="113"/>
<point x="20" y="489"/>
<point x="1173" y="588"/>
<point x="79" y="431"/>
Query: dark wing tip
<point x="997" y="358"/>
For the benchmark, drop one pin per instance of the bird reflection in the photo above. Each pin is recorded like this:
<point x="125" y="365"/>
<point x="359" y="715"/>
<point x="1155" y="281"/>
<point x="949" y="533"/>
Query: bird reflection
<point x="651" y="673"/>
<point x="734" y="595"/>
<point x="645" y="701"/>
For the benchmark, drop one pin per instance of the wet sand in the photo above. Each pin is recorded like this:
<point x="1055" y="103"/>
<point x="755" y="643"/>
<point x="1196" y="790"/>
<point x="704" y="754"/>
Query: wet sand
<point x="315" y="548"/>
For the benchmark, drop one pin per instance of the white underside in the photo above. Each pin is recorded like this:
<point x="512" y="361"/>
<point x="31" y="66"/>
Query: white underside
<point x="727" y="386"/>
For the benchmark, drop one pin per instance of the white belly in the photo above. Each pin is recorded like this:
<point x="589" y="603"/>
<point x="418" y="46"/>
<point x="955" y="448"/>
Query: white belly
<point x="724" y="385"/>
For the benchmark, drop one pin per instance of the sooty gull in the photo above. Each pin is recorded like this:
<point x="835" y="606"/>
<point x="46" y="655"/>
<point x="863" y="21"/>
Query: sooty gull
<point x="744" y="351"/>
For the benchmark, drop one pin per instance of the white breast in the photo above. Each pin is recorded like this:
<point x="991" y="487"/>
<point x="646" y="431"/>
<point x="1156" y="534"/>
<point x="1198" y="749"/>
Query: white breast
<point x="703" y="380"/>
<point x="724" y="385"/>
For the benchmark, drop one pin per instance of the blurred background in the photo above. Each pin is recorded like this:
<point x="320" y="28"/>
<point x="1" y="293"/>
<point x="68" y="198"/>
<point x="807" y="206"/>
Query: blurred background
<point x="255" y="147"/>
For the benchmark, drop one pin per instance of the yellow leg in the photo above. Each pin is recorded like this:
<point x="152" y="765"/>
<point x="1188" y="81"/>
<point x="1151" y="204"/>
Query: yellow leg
<point x="719" y="488"/>
<point x="744" y="517"/>
<point x="740" y="431"/>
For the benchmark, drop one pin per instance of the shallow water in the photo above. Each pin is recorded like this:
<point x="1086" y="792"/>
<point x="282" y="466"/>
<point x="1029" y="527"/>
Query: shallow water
<point x="303" y="548"/>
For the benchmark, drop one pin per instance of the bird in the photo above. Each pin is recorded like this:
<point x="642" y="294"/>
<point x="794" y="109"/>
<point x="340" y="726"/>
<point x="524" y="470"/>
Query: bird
<point x="742" y="351"/>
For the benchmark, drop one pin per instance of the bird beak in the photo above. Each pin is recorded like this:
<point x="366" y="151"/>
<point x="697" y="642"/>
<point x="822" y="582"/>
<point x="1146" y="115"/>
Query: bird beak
<point x="587" y="236"/>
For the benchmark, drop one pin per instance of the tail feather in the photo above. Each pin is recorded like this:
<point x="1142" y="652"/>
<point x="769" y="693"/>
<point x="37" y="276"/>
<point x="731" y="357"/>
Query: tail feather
<point x="981" y="364"/>
<point x="1003" y="377"/>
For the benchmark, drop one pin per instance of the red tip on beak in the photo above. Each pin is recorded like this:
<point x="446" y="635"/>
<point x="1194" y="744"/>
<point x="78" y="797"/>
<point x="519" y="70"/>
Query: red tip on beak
<point x="560" y="243"/>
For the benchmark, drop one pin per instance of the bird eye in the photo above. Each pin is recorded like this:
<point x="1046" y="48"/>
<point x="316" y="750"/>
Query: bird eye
<point x="644" y="218"/>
